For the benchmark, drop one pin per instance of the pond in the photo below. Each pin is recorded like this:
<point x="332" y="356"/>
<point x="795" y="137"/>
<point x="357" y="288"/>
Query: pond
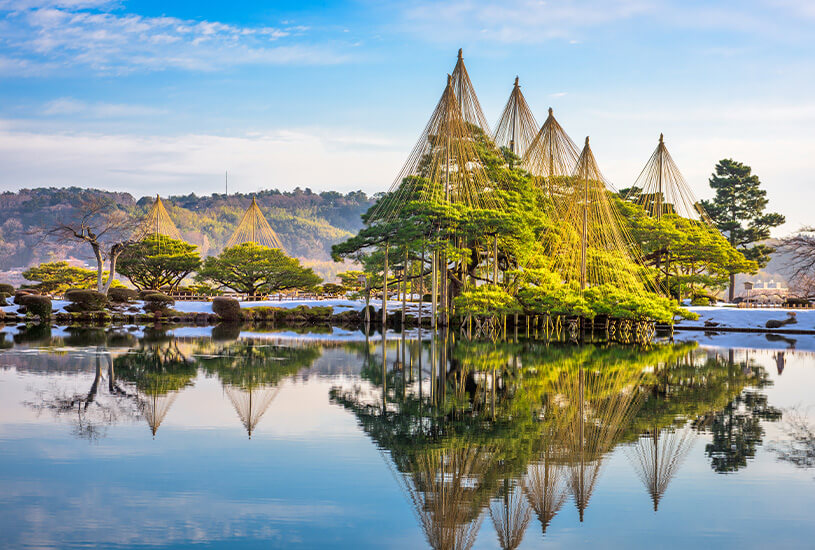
<point x="221" y="438"/>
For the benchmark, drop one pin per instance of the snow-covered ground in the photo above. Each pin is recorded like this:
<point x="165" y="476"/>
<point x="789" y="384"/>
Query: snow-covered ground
<point x="733" y="317"/>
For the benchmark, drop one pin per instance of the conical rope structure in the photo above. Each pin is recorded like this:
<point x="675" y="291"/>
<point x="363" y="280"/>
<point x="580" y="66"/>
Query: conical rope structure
<point x="254" y="228"/>
<point x="444" y="165"/>
<point x="465" y="92"/>
<point x="596" y="406"/>
<point x="510" y="516"/>
<point x="661" y="189"/>
<point x="158" y="222"/>
<point x="657" y="456"/>
<point x="593" y="246"/>
<point x="251" y="403"/>
<point x="517" y="128"/>
<point x="552" y="155"/>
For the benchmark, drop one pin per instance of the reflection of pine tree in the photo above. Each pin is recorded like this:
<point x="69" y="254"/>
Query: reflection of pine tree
<point x="737" y="431"/>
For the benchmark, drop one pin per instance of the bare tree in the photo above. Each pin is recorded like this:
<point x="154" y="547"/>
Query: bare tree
<point x="800" y="251"/>
<point x="106" y="228"/>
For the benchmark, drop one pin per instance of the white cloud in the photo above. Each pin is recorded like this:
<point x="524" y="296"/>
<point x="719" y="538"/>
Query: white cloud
<point x="323" y="159"/>
<point x="70" y="106"/>
<point x="48" y="35"/>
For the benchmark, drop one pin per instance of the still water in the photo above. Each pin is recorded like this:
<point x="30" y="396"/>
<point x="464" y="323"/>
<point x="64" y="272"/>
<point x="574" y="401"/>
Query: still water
<point x="220" y="439"/>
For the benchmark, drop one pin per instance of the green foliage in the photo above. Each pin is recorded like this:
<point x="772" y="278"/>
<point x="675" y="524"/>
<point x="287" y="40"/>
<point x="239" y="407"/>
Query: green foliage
<point x="7" y="289"/>
<point x="694" y="258"/>
<point x="546" y="294"/>
<point x="256" y="269"/>
<point x="351" y="279"/>
<point x="85" y="300"/>
<point x="486" y="300"/>
<point x="157" y="302"/>
<point x="122" y="295"/>
<point x="158" y="261"/>
<point x="57" y="277"/>
<point x="739" y="209"/>
<point x="228" y="309"/>
<point x="37" y="305"/>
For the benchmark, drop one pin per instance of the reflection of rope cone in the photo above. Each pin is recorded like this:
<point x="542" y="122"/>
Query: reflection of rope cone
<point x="598" y="405"/>
<point x="251" y="404"/>
<point x="442" y="487"/>
<point x="254" y="228"/>
<point x="155" y="407"/>
<point x="659" y="454"/>
<point x="546" y="490"/>
<point x="510" y="517"/>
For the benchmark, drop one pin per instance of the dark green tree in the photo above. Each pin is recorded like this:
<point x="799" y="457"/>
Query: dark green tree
<point x="256" y="269"/>
<point x="738" y="209"/>
<point x="158" y="261"/>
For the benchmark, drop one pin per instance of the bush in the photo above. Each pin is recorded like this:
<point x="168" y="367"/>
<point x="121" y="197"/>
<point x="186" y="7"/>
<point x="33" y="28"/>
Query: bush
<point x="700" y="301"/>
<point x="156" y="302"/>
<point x="85" y="300"/>
<point x="228" y="309"/>
<point x="3" y="296"/>
<point x="37" y="305"/>
<point x="20" y="293"/>
<point x="122" y="295"/>
<point x="6" y="288"/>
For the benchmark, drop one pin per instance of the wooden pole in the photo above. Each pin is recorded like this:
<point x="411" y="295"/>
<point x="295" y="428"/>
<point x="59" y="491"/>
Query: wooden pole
<point x="434" y="284"/>
<point x="584" y="233"/>
<point x="385" y="293"/>
<point x="421" y="288"/>
<point x="404" y="287"/>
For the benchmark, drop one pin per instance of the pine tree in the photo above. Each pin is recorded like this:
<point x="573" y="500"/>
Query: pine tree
<point x="738" y="211"/>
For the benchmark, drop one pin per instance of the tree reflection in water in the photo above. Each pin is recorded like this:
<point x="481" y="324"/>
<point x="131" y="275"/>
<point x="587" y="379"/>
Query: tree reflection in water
<point x="501" y="428"/>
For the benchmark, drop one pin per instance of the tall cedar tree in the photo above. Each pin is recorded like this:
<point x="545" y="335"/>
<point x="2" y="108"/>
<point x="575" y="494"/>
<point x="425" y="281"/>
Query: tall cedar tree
<point x="738" y="211"/>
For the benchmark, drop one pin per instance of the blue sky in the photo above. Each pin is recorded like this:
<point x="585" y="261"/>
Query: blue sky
<point x="164" y="97"/>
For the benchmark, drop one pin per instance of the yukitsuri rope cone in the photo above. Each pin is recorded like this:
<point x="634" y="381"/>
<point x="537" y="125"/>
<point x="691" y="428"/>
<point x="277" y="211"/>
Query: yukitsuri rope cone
<point x="158" y="222"/>
<point x="552" y="155"/>
<point x="444" y="165"/>
<point x="517" y="128"/>
<point x="593" y="247"/>
<point x="254" y="228"/>
<point x="155" y="405"/>
<point x="661" y="189"/>
<point x="465" y="92"/>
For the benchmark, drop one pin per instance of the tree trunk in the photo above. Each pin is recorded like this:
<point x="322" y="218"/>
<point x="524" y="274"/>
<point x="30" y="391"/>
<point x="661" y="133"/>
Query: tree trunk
<point x="100" y="267"/>
<point x="114" y="257"/>
<point x="732" y="287"/>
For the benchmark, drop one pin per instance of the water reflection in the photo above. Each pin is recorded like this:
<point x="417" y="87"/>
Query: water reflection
<point x="511" y="428"/>
<point x="479" y="435"/>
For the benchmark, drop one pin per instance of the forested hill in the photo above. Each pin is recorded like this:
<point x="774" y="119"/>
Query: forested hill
<point x="308" y="223"/>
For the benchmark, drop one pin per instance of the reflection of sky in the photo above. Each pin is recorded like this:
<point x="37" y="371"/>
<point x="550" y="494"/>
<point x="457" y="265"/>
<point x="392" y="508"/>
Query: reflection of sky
<point x="310" y="478"/>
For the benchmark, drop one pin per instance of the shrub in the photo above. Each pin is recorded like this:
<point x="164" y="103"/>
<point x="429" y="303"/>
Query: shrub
<point x="122" y="295"/>
<point x="37" y="305"/>
<point x="700" y="301"/>
<point x="156" y="302"/>
<point x="6" y="288"/>
<point x="228" y="309"/>
<point x="20" y="293"/>
<point x="85" y="300"/>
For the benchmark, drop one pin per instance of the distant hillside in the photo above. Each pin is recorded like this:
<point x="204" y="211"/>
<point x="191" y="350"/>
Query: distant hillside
<point x="308" y="223"/>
